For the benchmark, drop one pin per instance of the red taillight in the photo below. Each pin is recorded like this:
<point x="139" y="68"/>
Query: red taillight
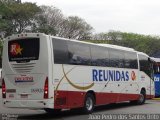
<point x="3" y="89"/>
<point x="46" y="89"/>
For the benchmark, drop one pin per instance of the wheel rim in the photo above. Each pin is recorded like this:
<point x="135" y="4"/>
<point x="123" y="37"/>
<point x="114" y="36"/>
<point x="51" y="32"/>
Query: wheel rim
<point x="141" y="99"/>
<point x="89" y="103"/>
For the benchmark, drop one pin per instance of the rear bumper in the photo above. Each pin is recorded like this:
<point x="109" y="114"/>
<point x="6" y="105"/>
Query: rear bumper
<point x="29" y="104"/>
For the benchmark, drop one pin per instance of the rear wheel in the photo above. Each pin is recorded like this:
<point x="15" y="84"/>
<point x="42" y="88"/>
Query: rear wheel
<point x="89" y="103"/>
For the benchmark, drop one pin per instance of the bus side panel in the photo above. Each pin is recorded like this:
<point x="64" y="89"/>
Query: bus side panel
<point x="71" y="88"/>
<point x="147" y="83"/>
<point x="75" y="99"/>
<point x="69" y="99"/>
<point x="157" y="85"/>
<point x="107" y="98"/>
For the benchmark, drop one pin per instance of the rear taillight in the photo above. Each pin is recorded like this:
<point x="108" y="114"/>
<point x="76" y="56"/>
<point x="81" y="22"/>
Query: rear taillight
<point x="46" y="89"/>
<point x="3" y="89"/>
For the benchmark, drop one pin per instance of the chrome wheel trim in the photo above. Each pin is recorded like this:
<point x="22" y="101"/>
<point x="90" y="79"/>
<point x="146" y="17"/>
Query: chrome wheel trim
<point x="89" y="103"/>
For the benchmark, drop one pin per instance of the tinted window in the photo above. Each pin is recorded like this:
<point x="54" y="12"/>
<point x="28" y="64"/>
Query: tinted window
<point x="60" y="51"/>
<point x="116" y="58"/>
<point x="71" y="52"/>
<point x="100" y="56"/>
<point x="144" y="64"/>
<point x="131" y="60"/>
<point x="121" y="59"/>
<point x="156" y="68"/>
<point x="23" y="50"/>
<point x="79" y="53"/>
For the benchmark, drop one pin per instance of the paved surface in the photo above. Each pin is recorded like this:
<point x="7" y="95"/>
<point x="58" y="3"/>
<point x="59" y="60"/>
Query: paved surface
<point x="151" y="107"/>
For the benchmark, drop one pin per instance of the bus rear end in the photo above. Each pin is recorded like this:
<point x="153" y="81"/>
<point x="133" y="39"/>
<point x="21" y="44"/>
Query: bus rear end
<point x="26" y="72"/>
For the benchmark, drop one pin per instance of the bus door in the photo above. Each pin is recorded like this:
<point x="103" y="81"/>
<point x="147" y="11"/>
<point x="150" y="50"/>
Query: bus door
<point x="146" y="72"/>
<point x="151" y="77"/>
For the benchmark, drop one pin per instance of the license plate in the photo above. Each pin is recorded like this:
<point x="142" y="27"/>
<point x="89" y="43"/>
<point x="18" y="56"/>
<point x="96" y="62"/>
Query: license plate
<point x="24" y="96"/>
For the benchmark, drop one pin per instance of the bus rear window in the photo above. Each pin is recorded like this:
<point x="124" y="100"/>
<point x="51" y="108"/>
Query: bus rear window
<point x="23" y="50"/>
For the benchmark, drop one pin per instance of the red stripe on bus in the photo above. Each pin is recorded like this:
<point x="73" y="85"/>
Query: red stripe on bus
<point x="75" y="99"/>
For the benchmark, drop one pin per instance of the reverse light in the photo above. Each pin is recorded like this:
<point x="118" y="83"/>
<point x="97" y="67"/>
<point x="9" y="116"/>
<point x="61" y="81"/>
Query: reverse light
<point x="3" y="89"/>
<point x="46" y="89"/>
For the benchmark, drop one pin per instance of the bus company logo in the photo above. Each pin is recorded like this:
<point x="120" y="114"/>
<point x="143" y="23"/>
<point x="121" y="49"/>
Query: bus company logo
<point x="156" y="79"/>
<point x="133" y="75"/>
<point x="15" y="49"/>
<point x="110" y="75"/>
<point x="23" y="79"/>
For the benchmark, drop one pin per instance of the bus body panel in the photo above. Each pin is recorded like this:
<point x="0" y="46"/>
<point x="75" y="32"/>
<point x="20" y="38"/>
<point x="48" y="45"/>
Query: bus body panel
<point x="147" y="83"/>
<point x="146" y="74"/>
<point x="157" y="84"/>
<point x="156" y="68"/>
<point x="71" y="84"/>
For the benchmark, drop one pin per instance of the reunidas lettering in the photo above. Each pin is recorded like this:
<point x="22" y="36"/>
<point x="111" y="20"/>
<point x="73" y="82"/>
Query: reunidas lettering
<point x="109" y="75"/>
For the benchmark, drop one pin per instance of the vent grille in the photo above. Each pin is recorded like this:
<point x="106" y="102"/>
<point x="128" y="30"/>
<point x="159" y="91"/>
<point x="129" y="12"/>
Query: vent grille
<point x="60" y="101"/>
<point x="23" y="67"/>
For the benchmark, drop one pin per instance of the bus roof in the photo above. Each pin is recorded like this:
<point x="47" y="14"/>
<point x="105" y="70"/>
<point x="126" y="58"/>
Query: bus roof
<point x="141" y="53"/>
<point x="22" y="35"/>
<point x="118" y="47"/>
<point x="101" y="45"/>
<point x="156" y="59"/>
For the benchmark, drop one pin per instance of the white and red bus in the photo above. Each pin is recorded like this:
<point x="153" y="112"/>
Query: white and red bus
<point x="52" y="73"/>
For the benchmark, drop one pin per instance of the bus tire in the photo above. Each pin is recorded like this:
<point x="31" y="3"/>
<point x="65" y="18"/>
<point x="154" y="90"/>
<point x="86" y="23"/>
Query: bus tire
<point x="52" y="111"/>
<point x="89" y="103"/>
<point x="141" y="99"/>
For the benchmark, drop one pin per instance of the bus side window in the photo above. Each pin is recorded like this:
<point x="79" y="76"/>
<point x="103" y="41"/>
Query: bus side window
<point x="113" y="58"/>
<point x="60" y="51"/>
<point x="131" y="60"/>
<point x="116" y="58"/>
<point x="156" y="68"/>
<point x="144" y="65"/>
<point x="99" y="56"/>
<point x="79" y="53"/>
